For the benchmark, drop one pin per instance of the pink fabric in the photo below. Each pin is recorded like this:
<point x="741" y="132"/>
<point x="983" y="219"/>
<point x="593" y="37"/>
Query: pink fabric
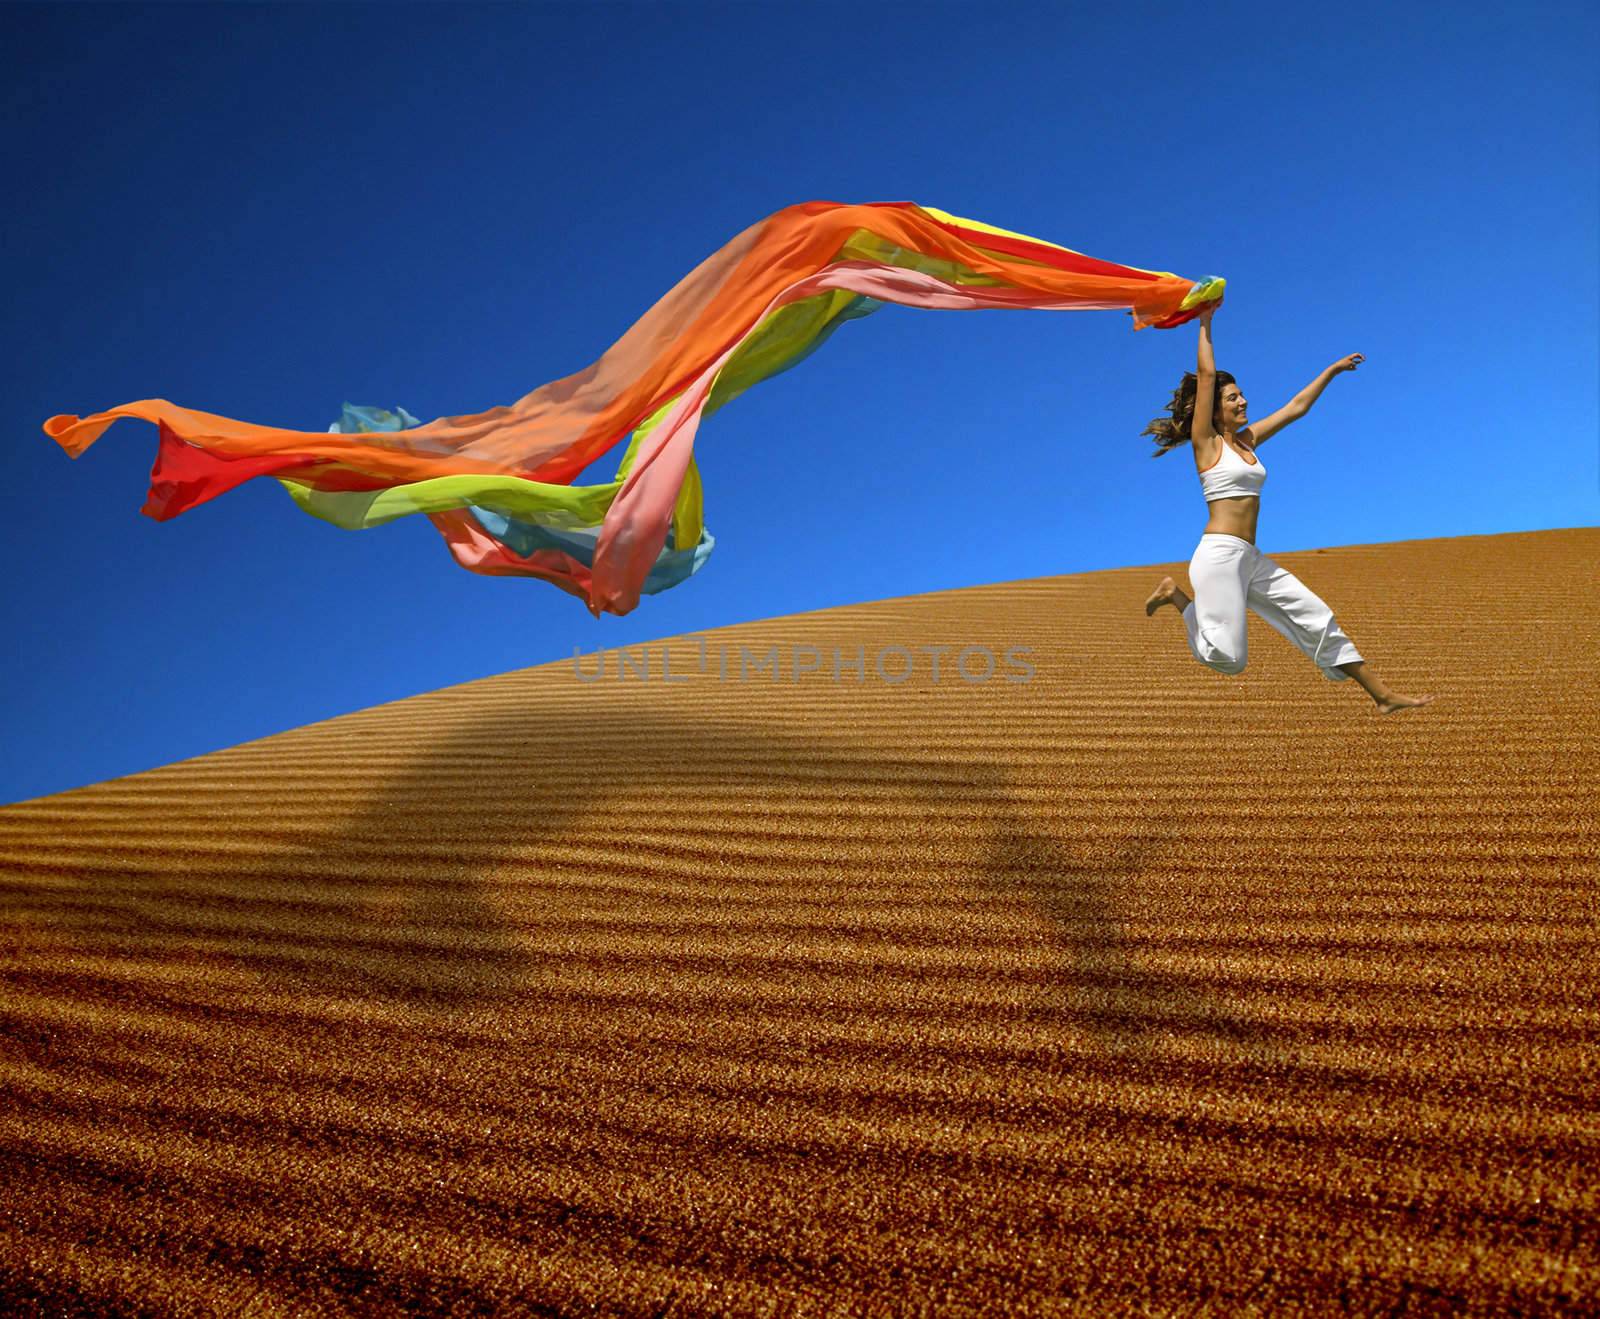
<point x="477" y="551"/>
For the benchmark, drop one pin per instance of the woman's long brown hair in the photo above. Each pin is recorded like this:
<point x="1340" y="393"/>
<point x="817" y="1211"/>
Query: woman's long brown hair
<point x="1176" y="429"/>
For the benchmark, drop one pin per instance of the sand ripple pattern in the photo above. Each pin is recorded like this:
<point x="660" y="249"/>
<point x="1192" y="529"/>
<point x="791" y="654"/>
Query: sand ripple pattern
<point x="1131" y="989"/>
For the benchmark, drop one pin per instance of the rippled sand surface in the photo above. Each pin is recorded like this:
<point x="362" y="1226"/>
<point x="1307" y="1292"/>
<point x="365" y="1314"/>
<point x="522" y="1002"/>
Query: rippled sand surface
<point x="1131" y="988"/>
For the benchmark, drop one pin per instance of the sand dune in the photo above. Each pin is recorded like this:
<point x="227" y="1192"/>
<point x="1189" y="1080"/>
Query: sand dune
<point x="1130" y="988"/>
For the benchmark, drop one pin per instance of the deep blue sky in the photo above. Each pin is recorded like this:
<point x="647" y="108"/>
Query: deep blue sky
<point x="264" y="211"/>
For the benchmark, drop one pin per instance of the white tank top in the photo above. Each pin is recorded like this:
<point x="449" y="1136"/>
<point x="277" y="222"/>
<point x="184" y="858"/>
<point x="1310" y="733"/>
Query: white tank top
<point x="1231" y="476"/>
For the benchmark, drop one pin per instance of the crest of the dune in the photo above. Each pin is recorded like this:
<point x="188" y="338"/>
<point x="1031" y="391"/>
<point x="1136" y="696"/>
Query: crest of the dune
<point x="774" y="970"/>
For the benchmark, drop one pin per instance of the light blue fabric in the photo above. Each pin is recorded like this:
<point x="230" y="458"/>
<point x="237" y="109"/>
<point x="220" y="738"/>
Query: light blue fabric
<point x="672" y="565"/>
<point x="359" y="420"/>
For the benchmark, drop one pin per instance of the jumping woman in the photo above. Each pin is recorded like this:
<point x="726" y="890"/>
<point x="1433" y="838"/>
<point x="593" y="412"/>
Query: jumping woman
<point x="1228" y="572"/>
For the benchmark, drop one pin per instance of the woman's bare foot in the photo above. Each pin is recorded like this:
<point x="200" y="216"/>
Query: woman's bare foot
<point x="1392" y="703"/>
<point x="1162" y="595"/>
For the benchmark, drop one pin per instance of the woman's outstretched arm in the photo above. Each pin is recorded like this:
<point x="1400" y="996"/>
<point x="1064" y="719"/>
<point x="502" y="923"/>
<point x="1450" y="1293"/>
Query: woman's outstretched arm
<point x="1264" y="429"/>
<point x="1301" y="402"/>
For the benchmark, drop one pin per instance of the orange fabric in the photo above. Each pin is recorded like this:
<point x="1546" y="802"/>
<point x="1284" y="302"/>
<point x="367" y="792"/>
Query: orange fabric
<point x="556" y="431"/>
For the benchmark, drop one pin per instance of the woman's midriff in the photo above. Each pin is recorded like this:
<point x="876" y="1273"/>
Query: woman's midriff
<point x="1235" y="516"/>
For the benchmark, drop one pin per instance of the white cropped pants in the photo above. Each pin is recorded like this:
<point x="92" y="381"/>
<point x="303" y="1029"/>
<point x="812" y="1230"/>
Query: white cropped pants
<point x="1229" y="574"/>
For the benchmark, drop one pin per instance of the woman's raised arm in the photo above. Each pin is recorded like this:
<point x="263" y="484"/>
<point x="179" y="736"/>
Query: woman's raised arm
<point x="1205" y="389"/>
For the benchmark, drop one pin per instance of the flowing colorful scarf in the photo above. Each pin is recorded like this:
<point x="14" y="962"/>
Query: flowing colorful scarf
<point x="498" y="484"/>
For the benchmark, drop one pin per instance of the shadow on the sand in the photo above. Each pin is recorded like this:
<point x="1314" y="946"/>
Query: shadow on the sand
<point x="396" y="903"/>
